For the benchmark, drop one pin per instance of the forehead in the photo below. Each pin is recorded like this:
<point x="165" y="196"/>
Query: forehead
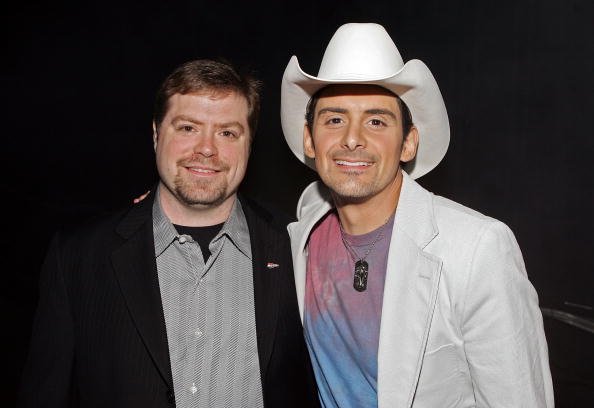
<point x="360" y="95"/>
<point x="209" y="102"/>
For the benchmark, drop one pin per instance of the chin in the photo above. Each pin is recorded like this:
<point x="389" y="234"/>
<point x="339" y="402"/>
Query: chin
<point x="201" y="195"/>
<point x="352" y="191"/>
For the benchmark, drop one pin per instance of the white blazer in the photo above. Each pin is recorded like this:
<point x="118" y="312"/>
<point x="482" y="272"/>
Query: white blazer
<point x="460" y="324"/>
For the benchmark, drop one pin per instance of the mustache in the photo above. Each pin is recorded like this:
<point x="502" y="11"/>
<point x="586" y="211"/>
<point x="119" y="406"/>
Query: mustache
<point x="209" y="162"/>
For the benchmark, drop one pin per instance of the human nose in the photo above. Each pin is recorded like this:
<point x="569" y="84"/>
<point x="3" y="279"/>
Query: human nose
<point x="353" y="137"/>
<point x="205" y="145"/>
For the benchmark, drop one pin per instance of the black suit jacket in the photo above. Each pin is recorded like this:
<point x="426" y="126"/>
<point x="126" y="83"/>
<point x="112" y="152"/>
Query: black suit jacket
<point x="99" y="337"/>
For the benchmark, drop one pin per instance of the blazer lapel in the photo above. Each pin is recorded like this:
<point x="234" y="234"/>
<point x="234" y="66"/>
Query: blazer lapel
<point x="410" y="293"/>
<point x="409" y="299"/>
<point x="136" y="271"/>
<point x="265" y="249"/>
<point x="315" y="201"/>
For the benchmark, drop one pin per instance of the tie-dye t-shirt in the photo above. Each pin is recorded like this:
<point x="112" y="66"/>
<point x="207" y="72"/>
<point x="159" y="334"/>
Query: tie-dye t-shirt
<point x="341" y="324"/>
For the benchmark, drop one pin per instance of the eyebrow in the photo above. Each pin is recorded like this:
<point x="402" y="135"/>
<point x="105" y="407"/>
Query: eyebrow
<point x="231" y="124"/>
<point x="331" y="110"/>
<point x="380" y="112"/>
<point x="368" y="111"/>
<point x="185" y="119"/>
<point x="197" y="122"/>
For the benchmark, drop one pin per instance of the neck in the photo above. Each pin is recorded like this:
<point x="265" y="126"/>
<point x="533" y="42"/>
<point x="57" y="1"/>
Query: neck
<point x="359" y="217"/>
<point x="180" y="213"/>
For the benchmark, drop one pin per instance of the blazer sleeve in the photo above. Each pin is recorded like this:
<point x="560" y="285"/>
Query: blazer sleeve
<point x="46" y="378"/>
<point x="502" y="326"/>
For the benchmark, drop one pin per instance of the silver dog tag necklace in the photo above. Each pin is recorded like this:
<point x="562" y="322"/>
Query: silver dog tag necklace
<point x="361" y="271"/>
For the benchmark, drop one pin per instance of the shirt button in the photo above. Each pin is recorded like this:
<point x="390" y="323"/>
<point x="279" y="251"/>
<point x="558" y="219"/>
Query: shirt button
<point x="193" y="388"/>
<point x="198" y="333"/>
<point x="182" y="239"/>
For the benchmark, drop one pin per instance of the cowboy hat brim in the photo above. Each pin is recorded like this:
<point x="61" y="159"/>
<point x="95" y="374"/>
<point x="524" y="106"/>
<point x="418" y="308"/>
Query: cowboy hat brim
<point x="414" y="84"/>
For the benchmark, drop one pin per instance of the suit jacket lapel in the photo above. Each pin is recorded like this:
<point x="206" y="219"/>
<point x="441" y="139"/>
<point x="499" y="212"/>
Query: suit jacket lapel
<point x="265" y="248"/>
<point x="315" y="201"/>
<point x="410" y="293"/>
<point x="409" y="299"/>
<point x="136" y="271"/>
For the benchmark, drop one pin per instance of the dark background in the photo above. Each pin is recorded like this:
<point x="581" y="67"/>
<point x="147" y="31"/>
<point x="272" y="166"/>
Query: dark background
<point x="78" y="83"/>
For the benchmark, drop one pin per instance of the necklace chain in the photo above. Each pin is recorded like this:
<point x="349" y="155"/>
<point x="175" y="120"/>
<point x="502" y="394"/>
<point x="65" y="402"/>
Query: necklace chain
<point x="350" y="249"/>
<point x="361" y="266"/>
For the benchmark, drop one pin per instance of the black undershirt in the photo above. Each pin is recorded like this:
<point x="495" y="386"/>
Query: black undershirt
<point x="202" y="235"/>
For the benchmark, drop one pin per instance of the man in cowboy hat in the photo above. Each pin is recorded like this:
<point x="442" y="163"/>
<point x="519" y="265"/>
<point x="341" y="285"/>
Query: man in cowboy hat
<point x="407" y="298"/>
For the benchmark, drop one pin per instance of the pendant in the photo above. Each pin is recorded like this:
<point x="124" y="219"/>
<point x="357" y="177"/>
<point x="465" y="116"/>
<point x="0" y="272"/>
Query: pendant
<point x="360" y="278"/>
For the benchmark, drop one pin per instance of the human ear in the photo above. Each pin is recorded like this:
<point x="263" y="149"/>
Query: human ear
<point x="308" y="145"/>
<point x="409" y="145"/>
<point x="155" y="136"/>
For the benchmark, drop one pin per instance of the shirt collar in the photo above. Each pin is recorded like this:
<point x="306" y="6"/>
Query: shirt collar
<point x="235" y="228"/>
<point x="163" y="230"/>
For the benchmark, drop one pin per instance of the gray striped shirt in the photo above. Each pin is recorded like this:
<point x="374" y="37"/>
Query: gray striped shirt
<point x="209" y="314"/>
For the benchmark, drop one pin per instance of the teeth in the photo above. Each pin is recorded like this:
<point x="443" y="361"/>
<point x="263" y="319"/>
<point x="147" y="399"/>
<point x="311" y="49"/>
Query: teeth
<point x="347" y="163"/>
<point x="202" y="170"/>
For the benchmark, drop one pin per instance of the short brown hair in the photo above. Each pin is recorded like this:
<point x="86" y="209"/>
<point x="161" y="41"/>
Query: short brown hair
<point x="205" y="75"/>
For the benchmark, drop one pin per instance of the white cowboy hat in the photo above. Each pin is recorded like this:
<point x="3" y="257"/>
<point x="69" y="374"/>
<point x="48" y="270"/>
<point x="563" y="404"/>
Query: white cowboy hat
<point x="364" y="53"/>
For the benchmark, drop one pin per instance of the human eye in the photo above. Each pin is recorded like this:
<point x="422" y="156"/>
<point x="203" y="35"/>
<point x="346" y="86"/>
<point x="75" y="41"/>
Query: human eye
<point x="375" y="122"/>
<point x="334" y="120"/>
<point x="228" y="133"/>
<point x="185" y="128"/>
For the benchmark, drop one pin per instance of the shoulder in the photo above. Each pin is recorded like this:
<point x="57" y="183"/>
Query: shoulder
<point x="260" y="213"/>
<point x="460" y="220"/>
<point x="480" y="249"/>
<point x="457" y="228"/>
<point x="95" y="232"/>
<point x="448" y="209"/>
<point x="468" y="240"/>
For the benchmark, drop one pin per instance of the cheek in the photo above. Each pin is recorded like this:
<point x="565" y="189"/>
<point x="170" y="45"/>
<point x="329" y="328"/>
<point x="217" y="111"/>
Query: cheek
<point x="176" y="148"/>
<point x="235" y="157"/>
<point x="322" y="148"/>
<point x="387" y="146"/>
<point x="169" y="151"/>
<point x="324" y="157"/>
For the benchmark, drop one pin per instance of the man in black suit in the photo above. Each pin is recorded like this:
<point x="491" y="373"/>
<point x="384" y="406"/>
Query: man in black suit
<point x="186" y="298"/>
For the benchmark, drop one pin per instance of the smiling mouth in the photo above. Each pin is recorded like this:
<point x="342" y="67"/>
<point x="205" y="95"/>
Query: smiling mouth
<point x="201" y="170"/>
<point x="353" y="163"/>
